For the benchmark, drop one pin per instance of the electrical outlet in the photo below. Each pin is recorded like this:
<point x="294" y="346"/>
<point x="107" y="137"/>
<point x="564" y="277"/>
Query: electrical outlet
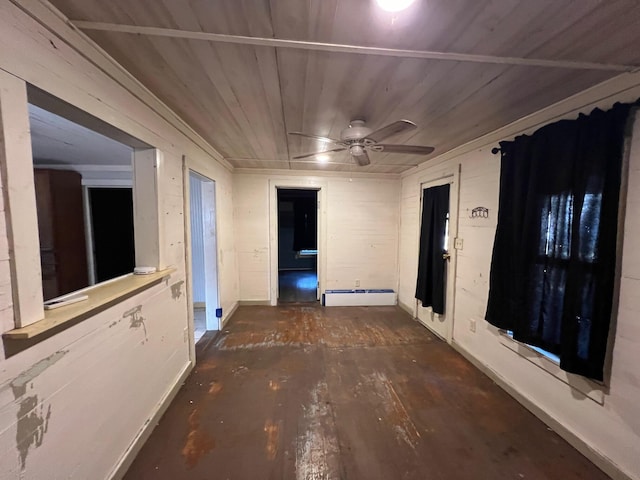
<point x="185" y="334"/>
<point x="457" y="244"/>
<point x="472" y="324"/>
<point x="357" y="283"/>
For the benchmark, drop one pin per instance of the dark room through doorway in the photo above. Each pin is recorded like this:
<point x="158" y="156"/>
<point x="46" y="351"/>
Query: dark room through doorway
<point x="297" y="245"/>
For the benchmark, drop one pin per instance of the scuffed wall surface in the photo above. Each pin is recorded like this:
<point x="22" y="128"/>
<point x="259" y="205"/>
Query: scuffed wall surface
<point x="612" y="429"/>
<point x="71" y="406"/>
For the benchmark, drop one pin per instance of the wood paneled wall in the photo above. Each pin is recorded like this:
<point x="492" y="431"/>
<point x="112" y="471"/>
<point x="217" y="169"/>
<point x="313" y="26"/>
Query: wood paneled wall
<point x="361" y="234"/>
<point x="74" y="404"/>
<point x="609" y="431"/>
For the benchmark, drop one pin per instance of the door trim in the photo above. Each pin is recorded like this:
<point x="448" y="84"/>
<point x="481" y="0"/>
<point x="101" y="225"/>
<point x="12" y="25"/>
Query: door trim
<point x="187" y="168"/>
<point x="449" y="176"/>
<point x="299" y="184"/>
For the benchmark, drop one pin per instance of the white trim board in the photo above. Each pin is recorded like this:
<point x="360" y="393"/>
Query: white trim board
<point x="353" y="49"/>
<point x="227" y="316"/>
<point x="588" y="388"/>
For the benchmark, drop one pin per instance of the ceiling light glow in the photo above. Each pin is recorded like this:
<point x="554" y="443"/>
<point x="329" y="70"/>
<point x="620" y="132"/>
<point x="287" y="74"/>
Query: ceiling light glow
<point x="394" y="5"/>
<point x="322" y="158"/>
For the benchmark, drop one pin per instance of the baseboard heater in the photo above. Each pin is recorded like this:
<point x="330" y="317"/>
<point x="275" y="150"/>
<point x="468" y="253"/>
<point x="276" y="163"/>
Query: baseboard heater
<point x="361" y="298"/>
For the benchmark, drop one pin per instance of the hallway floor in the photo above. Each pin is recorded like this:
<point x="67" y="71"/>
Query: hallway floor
<point x="297" y="286"/>
<point x="312" y="393"/>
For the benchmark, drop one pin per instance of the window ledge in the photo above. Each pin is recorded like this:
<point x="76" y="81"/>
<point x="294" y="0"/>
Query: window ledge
<point x="101" y="297"/>
<point x="589" y="388"/>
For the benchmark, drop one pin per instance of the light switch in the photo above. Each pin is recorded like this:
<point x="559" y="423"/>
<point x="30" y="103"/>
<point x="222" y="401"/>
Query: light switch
<point x="457" y="244"/>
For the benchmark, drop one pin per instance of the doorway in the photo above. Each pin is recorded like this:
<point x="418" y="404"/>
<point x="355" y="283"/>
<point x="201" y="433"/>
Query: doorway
<point x="436" y="258"/>
<point x="204" y="261"/>
<point x="112" y="249"/>
<point x="297" y="245"/>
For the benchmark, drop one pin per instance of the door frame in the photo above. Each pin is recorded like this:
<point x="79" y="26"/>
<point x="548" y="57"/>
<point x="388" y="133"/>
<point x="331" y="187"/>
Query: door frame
<point x="210" y="249"/>
<point x="449" y="176"/>
<point x="297" y="184"/>
<point x="187" y="167"/>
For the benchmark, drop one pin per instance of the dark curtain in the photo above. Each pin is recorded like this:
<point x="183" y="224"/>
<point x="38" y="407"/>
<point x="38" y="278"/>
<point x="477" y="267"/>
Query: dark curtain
<point x="305" y="224"/>
<point x="430" y="286"/>
<point x="554" y="257"/>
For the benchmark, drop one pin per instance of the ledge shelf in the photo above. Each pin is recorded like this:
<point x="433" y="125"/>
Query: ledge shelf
<point x="101" y="297"/>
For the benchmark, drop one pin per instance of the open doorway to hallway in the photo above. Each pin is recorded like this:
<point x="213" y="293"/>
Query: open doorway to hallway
<point x="204" y="261"/>
<point x="297" y="245"/>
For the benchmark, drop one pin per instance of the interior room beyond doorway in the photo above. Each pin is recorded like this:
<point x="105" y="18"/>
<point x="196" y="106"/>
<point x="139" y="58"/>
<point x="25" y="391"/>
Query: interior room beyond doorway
<point x="297" y="245"/>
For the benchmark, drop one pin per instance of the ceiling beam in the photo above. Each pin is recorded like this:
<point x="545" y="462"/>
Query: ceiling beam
<point x="354" y="49"/>
<point x="316" y="162"/>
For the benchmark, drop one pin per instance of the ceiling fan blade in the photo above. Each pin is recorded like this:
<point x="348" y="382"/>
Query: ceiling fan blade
<point x="307" y="155"/>
<point x="391" y="129"/>
<point x="317" y="137"/>
<point x="410" y="149"/>
<point x="363" y="159"/>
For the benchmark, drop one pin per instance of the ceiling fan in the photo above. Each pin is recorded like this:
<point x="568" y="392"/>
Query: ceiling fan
<point x="359" y="139"/>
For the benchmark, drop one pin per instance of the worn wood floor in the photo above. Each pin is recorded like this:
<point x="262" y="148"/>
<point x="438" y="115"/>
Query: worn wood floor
<point x="312" y="393"/>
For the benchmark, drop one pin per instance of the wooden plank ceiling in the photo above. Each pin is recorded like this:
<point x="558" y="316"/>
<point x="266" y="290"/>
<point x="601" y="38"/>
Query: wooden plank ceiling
<point x="244" y="98"/>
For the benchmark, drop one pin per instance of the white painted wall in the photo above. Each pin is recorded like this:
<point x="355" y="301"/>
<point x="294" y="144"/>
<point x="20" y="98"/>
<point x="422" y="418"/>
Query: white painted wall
<point x="89" y="391"/>
<point x="361" y="236"/>
<point x="612" y="430"/>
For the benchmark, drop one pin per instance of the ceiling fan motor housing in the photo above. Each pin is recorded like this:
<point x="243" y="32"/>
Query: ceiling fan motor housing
<point x="355" y="132"/>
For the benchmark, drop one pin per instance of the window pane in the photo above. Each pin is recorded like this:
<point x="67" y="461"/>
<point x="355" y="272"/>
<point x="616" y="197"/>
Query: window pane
<point x="589" y="227"/>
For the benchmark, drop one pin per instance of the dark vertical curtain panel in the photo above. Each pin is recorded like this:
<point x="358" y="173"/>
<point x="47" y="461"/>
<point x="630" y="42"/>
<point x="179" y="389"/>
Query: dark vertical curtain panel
<point x="430" y="286"/>
<point x="305" y="224"/>
<point x="554" y="256"/>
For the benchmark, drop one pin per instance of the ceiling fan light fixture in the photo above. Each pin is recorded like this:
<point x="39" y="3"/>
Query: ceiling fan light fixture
<point x="356" y="150"/>
<point x="322" y="158"/>
<point x="394" y="5"/>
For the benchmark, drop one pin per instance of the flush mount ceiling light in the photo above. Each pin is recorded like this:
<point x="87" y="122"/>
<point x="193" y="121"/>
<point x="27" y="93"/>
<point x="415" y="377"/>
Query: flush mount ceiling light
<point x="394" y="5"/>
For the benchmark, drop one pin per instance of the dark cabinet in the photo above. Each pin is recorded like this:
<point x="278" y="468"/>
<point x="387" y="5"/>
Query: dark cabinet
<point x="61" y="230"/>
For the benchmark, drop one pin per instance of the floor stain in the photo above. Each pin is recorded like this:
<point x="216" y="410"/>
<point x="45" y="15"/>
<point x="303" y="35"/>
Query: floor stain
<point x="373" y="395"/>
<point x="272" y="430"/>
<point x="198" y="443"/>
<point x="215" y="388"/>
<point x="274" y="386"/>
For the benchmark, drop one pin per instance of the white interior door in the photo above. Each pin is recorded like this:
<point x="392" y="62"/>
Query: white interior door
<point x="442" y="324"/>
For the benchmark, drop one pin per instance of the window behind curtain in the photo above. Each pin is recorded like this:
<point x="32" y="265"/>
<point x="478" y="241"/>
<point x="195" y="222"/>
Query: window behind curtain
<point x="553" y="265"/>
